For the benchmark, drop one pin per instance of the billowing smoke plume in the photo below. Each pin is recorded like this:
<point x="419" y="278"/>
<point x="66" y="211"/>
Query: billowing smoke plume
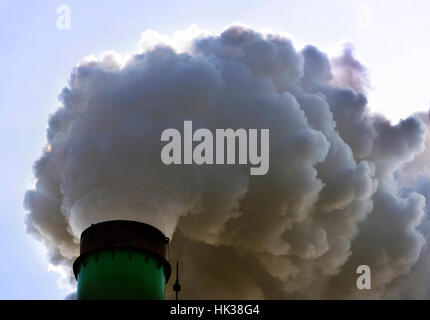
<point x="344" y="188"/>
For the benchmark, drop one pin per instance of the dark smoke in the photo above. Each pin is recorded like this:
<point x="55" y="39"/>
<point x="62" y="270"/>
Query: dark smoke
<point x="345" y="187"/>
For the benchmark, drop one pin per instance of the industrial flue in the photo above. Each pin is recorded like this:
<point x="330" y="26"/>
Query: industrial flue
<point x="122" y="260"/>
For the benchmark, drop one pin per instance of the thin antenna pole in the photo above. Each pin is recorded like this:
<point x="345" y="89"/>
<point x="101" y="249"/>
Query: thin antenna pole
<point x="177" y="286"/>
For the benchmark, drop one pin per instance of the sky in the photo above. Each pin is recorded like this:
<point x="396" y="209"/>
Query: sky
<point x="389" y="37"/>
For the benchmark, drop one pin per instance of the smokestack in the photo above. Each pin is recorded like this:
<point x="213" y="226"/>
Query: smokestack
<point x="122" y="260"/>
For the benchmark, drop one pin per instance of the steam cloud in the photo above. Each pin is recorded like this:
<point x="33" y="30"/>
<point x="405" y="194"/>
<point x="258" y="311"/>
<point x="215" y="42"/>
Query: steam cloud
<point x="344" y="188"/>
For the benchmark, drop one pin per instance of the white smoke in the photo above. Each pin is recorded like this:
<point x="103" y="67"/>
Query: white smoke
<point x="343" y="187"/>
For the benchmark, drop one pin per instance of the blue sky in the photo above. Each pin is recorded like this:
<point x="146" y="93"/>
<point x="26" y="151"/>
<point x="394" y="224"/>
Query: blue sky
<point x="36" y="57"/>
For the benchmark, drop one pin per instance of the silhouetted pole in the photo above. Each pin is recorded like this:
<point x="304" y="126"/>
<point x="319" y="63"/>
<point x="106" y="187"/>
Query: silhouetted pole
<point x="177" y="286"/>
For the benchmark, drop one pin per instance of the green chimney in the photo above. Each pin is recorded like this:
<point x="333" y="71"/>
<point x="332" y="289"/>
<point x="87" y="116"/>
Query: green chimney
<point x="122" y="260"/>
